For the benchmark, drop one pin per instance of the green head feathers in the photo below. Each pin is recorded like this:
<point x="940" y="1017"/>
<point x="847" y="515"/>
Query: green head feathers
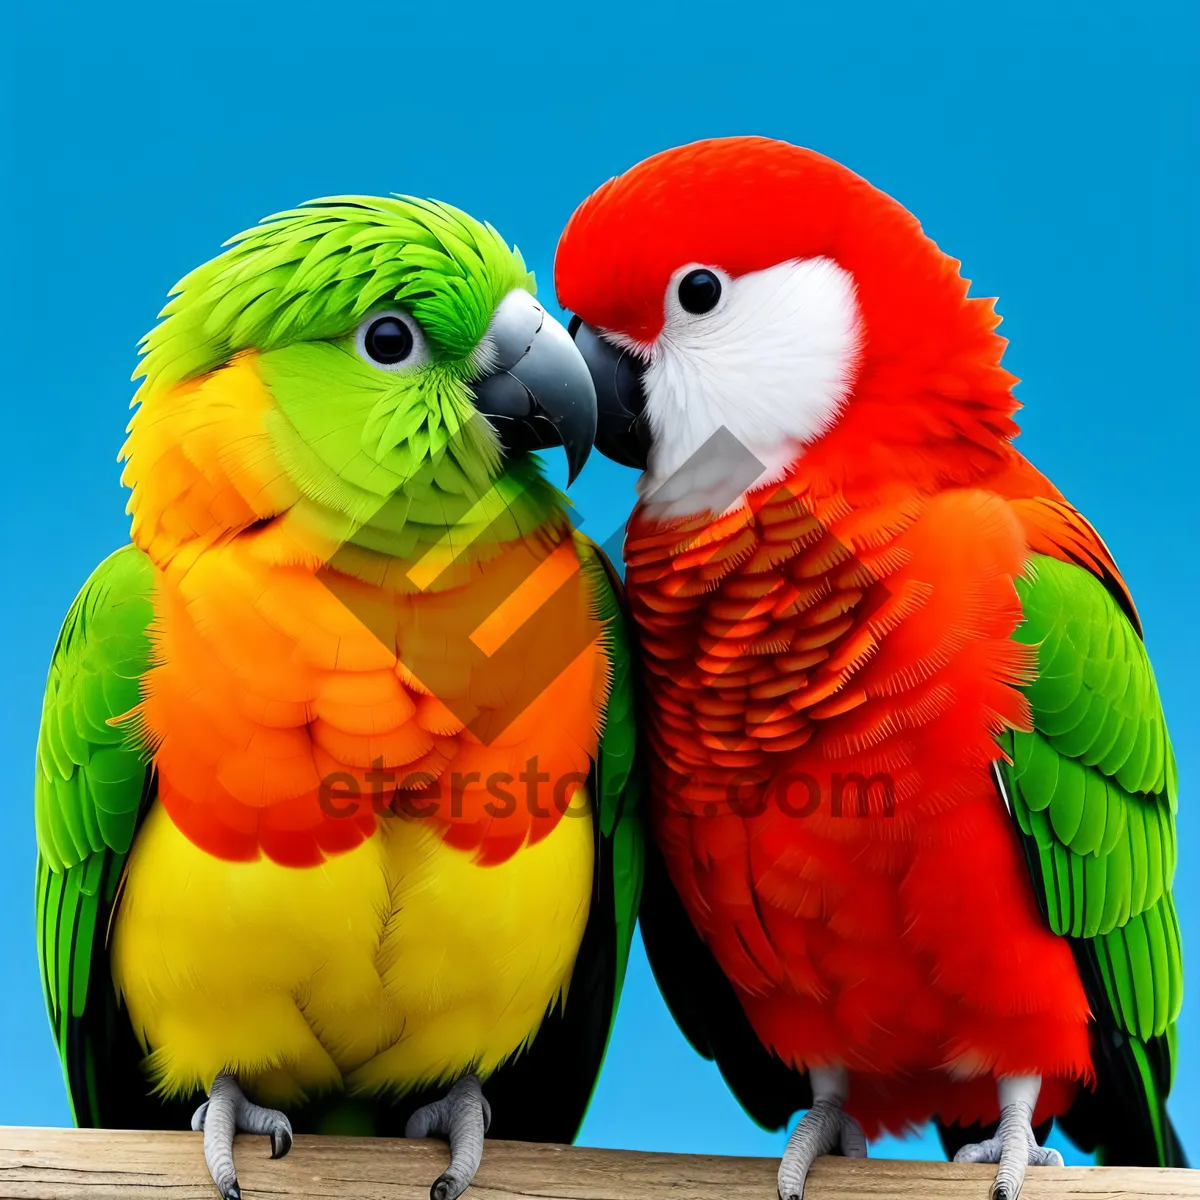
<point x="392" y="450"/>
<point x="313" y="272"/>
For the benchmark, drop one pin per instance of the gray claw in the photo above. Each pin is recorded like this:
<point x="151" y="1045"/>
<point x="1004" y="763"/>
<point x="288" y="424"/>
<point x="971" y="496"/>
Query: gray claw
<point x="1014" y="1147"/>
<point x="462" y="1116"/>
<point x="824" y="1129"/>
<point x="281" y="1140"/>
<point x="227" y="1112"/>
<point x="446" y="1187"/>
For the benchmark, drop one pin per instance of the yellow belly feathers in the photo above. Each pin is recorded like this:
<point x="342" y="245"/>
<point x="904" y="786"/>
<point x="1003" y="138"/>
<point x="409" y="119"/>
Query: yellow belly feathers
<point x="396" y="964"/>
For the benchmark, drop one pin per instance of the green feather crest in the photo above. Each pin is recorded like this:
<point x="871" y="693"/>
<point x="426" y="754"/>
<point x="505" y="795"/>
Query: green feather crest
<point x="313" y="272"/>
<point x="388" y="461"/>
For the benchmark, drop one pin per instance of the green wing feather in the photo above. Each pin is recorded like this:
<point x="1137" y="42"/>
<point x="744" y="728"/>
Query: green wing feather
<point x="90" y="790"/>
<point x="1093" y="788"/>
<point x="618" y="780"/>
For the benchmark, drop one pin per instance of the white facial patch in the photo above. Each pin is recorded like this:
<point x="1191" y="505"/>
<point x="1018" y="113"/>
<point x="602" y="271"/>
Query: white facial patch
<point x="772" y="363"/>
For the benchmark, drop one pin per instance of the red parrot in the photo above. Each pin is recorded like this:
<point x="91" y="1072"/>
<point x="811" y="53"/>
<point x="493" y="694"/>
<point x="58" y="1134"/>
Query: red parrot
<point x="912" y="791"/>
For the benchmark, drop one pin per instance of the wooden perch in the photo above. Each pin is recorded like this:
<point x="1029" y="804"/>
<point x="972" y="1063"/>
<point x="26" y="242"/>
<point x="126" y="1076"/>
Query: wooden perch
<point x="68" y="1164"/>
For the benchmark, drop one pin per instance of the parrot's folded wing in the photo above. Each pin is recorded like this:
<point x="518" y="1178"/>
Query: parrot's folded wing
<point x="1093" y="788"/>
<point x="92" y="786"/>
<point x="618" y="780"/>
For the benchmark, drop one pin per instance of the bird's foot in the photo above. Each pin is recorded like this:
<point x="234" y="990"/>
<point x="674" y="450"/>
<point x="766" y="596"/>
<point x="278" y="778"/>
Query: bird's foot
<point x="1014" y="1147"/>
<point x="227" y="1112"/>
<point x="824" y="1129"/>
<point x="462" y="1116"/>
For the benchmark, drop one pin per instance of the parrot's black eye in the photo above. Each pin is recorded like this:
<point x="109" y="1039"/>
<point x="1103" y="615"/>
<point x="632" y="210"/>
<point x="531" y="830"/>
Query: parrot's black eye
<point x="391" y="341"/>
<point x="388" y="341"/>
<point x="699" y="291"/>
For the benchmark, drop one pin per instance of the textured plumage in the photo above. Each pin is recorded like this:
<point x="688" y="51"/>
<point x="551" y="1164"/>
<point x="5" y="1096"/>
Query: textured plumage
<point x="283" y="819"/>
<point x="912" y="791"/>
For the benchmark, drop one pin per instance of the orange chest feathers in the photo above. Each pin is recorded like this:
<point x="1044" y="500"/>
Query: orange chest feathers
<point x="826" y="683"/>
<point x="799" y="636"/>
<point x="290" y="708"/>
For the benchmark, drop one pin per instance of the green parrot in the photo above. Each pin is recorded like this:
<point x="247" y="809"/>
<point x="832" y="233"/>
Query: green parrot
<point x="336" y="800"/>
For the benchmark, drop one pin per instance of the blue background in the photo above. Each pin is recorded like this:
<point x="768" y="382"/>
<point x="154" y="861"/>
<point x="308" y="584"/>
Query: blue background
<point x="1050" y="147"/>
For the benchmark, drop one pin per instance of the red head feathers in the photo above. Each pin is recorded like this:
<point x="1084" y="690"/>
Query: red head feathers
<point x="834" y="302"/>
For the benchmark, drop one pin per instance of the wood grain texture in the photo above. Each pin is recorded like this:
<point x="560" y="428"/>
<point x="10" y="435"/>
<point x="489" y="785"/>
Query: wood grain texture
<point x="68" y="1164"/>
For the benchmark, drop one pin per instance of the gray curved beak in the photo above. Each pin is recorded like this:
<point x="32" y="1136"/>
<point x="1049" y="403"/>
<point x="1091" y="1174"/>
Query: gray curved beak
<point x="540" y="391"/>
